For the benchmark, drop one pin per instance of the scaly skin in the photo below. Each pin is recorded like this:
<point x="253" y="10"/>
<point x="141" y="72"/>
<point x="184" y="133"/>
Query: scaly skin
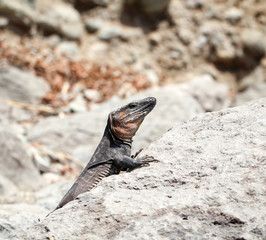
<point x="113" y="152"/>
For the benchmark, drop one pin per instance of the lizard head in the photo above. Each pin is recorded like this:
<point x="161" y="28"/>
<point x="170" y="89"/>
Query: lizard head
<point x="125" y="121"/>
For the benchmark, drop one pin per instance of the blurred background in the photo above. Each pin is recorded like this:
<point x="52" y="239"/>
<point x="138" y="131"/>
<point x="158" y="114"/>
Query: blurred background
<point x="65" y="64"/>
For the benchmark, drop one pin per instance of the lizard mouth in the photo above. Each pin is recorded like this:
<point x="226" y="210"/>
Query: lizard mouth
<point x="139" y="113"/>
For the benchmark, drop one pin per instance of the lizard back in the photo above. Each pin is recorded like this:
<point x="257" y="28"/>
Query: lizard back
<point x="87" y="180"/>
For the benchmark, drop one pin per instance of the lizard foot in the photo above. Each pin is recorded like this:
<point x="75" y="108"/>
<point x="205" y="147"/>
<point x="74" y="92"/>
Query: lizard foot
<point x="146" y="160"/>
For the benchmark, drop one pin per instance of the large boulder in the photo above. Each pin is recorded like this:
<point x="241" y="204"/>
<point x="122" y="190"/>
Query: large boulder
<point x="254" y="42"/>
<point x="209" y="184"/>
<point x="15" y="160"/>
<point x="6" y="186"/>
<point x="59" y="17"/>
<point x="22" y="86"/>
<point x="16" y="218"/>
<point x="17" y="11"/>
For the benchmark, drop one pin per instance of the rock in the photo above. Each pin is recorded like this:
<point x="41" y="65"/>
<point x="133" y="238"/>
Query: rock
<point x="43" y="163"/>
<point x="22" y="86"/>
<point x="108" y="33"/>
<point x="233" y="15"/>
<point x="152" y="77"/>
<point x="6" y="186"/>
<point x="255" y="91"/>
<point x="208" y="183"/>
<point x="53" y="40"/>
<point x="62" y="19"/>
<point x="185" y="35"/>
<point x="68" y="48"/>
<point x="79" y="134"/>
<point x="254" y="77"/>
<point x="225" y="51"/>
<point x="150" y="6"/>
<point x="49" y="196"/>
<point x="77" y="105"/>
<point x="220" y="45"/>
<point x="12" y="113"/>
<point x="93" y="25"/>
<point x="254" y="42"/>
<point x="17" y="11"/>
<point x="211" y="95"/>
<point x="31" y="3"/>
<point x="92" y="95"/>
<point x="15" y="160"/>
<point x="79" y="131"/>
<point x="24" y="210"/>
<point x="3" y="22"/>
<point x="16" y="218"/>
<point x="194" y="4"/>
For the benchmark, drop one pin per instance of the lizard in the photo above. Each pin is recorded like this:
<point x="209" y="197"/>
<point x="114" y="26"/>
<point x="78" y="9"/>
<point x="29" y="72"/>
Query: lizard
<point x="113" y="152"/>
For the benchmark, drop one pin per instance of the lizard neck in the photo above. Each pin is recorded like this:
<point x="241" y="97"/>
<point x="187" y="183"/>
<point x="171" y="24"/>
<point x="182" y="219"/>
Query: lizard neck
<point x="117" y="141"/>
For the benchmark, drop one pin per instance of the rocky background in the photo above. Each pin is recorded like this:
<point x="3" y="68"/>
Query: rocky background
<point x="65" y="64"/>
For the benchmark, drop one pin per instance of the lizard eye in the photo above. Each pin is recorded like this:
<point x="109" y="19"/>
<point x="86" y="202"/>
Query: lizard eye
<point x="132" y="105"/>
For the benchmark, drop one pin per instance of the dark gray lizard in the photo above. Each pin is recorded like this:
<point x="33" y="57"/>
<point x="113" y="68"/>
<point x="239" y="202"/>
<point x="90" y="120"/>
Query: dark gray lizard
<point x="113" y="152"/>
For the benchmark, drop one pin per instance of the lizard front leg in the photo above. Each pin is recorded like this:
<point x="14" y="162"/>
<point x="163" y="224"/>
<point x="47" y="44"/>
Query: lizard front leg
<point x="126" y="162"/>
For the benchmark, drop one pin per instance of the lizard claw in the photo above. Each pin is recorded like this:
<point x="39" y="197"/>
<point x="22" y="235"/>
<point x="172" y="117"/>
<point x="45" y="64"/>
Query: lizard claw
<point x="137" y="153"/>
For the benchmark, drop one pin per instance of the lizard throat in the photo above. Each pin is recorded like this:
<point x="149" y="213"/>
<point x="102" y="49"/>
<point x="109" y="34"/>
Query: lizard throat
<point x="117" y="141"/>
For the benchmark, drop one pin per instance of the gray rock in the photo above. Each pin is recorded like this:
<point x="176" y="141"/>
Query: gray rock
<point x="108" y="33"/>
<point x="82" y="130"/>
<point x="255" y="77"/>
<point x="233" y="15"/>
<point x="93" y="25"/>
<point x="3" y="22"/>
<point x="208" y="184"/>
<point x="211" y="95"/>
<point x="10" y="112"/>
<point x="152" y="76"/>
<point x="59" y="17"/>
<point x="92" y="95"/>
<point x="185" y="35"/>
<point x="19" y="85"/>
<point x="17" y="11"/>
<point x="53" y="40"/>
<point x="254" y="42"/>
<point x="15" y="160"/>
<point x="77" y="105"/>
<point x="31" y="3"/>
<point x="225" y="51"/>
<point x="194" y="4"/>
<point x="16" y="218"/>
<point x="68" y="48"/>
<point x="6" y="186"/>
<point x="49" y="196"/>
<point x="255" y="91"/>
<point x="150" y="6"/>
